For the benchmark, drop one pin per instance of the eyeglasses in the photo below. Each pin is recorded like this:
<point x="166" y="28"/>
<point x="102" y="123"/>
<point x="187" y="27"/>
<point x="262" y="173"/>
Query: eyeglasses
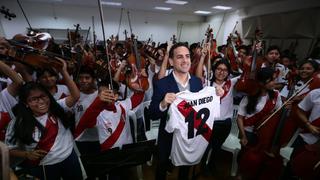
<point x="222" y="70"/>
<point x="36" y="99"/>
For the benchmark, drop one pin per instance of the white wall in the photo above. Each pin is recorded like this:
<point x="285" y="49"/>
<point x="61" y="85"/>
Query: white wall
<point x="161" y="26"/>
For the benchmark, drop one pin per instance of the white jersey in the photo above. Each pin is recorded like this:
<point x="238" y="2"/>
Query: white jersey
<point x="62" y="92"/>
<point x="114" y="127"/>
<point x="311" y="103"/>
<point x="60" y="149"/>
<point x="137" y="110"/>
<point x="226" y="110"/>
<point x="85" y="100"/>
<point x="191" y="118"/>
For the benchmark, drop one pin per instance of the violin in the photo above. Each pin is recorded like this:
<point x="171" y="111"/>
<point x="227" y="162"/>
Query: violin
<point x="39" y="41"/>
<point x="137" y="80"/>
<point x="31" y="51"/>
<point x="232" y="54"/>
<point x="247" y="82"/>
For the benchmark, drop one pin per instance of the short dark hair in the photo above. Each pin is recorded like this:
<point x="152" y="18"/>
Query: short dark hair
<point x="273" y="47"/>
<point x="245" y="48"/>
<point x="87" y="70"/>
<point x="119" y="45"/>
<point x="175" y="46"/>
<point x="265" y="74"/>
<point x="218" y="62"/>
<point x="106" y="82"/>
<point x="49" y="70"/>
<point x="314" y="64"/>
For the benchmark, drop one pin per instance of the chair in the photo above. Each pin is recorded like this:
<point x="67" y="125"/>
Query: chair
<point x="4" y="158"/>
<point x="232" y="143"/>
<point x="152" y="126"/>
<point x="286" y="151"/>
<point x="133" y="117"/>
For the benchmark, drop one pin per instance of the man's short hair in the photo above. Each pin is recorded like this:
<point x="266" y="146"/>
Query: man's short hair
<point x="175" y="46"/>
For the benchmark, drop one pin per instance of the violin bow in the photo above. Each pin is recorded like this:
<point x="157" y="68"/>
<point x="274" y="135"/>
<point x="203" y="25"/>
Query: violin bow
<point x="24" y="14"/>
<point x="209" y="32"/>
<point x="120" y="22"/>
<point x="87" y="36"/>
<point x="285" y="103"/>
<point x="104" y="41"/>
<point x="94" y="39"/>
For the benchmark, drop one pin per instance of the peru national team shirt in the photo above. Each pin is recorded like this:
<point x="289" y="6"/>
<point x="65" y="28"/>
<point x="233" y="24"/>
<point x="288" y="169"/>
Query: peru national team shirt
<point x="191" y="118"/>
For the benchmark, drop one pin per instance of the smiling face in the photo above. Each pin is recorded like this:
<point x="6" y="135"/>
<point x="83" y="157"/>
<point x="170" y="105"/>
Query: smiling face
<point x="221" y="72"/>
<point x="86" y="83"/>
<point x="181" y="61"/>
<point x="38" y="101"/>
<point x="48" y="80"/>
<point x="306" y="71"/>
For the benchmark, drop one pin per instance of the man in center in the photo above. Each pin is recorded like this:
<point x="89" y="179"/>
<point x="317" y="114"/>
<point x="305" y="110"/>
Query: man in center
<point x="164" y="94"/>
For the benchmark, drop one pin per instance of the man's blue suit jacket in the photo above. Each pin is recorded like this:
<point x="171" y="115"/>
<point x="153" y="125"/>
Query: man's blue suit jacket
<point x="160" y="89"/>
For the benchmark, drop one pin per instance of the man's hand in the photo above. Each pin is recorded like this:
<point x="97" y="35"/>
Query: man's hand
<point x="168" y="99"/>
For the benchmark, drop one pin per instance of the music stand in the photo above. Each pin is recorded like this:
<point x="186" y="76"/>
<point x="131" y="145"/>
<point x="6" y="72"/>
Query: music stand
<point x="110" y="160"/>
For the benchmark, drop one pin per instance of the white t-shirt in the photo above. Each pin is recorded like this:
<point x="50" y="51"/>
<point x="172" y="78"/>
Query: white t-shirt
<point x="226" y="110"/>
<point x="108" y="121"/>
<point x="259" y="107"/>
<point x="85" y="100"/>
<point x="63" y="144"/>
<point x="62" y="92"/>
<point x="191" y="118"/>
<point x="311" y="103"/>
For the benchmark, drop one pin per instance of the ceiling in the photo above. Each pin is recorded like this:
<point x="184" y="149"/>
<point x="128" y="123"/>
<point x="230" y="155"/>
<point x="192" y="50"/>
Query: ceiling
<point x="148" y="5"/>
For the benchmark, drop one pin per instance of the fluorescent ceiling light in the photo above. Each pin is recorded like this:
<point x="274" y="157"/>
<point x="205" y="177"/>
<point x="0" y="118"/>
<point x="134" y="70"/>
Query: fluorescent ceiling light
<point x="111" y="3"/>
<point x="202" y="12"/>
<point x="176" y="2"/>
<point x="163" y="8"/>
<point x="222" y="7"/>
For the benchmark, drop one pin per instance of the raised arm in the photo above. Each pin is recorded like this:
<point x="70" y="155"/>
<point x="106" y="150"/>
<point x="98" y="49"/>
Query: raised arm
<point x="164" y="65"/>
<point x="119" y="70"/>
<point x="16" y="79"/>
<point x="199" y="70"/>
<point x="74" y="91"/>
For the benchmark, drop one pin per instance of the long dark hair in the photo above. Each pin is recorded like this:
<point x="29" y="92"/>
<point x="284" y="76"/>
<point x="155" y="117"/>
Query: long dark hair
<point x="215" y="66"/>
<point x="25" y="121"/>
<point x="264" y="75"/>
